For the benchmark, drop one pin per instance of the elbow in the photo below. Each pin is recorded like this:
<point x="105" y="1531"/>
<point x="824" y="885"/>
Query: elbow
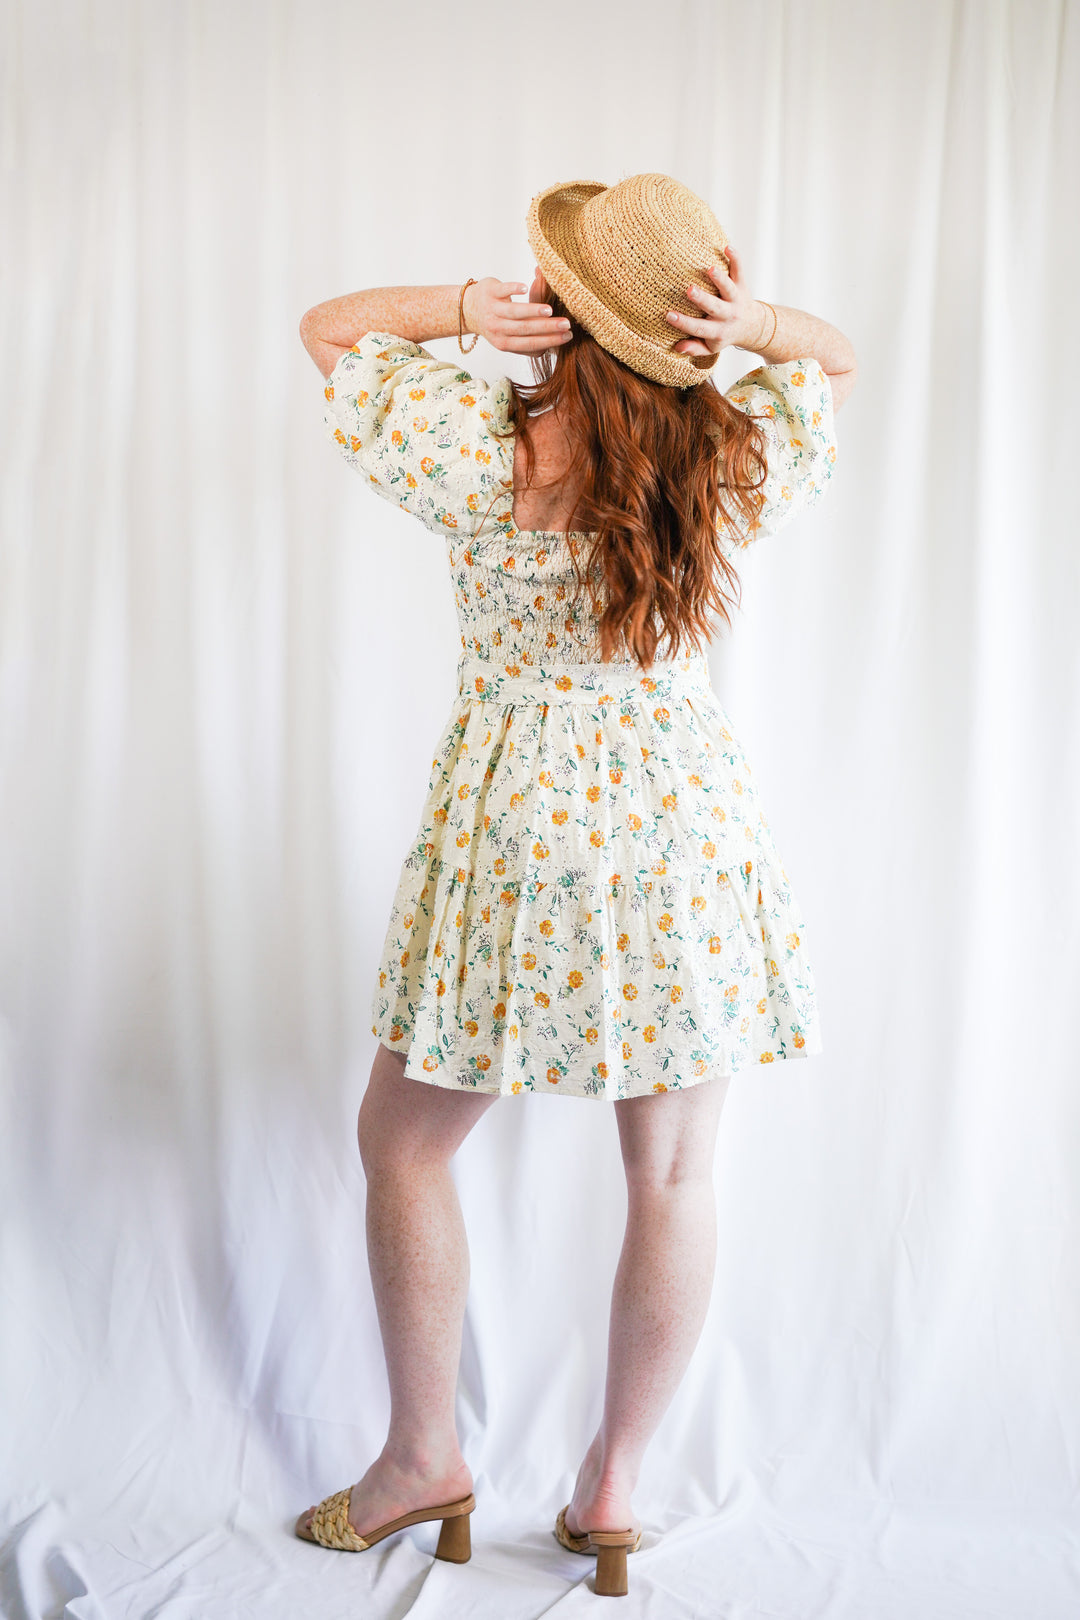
<point x="842" y="382"/>
<point x="307" y="327"/>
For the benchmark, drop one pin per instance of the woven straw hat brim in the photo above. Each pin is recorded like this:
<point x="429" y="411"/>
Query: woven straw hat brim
<point x="553" y="236"/>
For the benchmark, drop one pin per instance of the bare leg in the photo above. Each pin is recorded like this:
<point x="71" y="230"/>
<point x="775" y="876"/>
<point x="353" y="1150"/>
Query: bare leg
<point x="408" y="1131"/>
<point x="661" y="1291"/>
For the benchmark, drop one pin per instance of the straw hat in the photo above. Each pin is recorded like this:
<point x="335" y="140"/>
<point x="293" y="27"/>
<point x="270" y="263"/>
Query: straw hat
<point x="621" y="256"/>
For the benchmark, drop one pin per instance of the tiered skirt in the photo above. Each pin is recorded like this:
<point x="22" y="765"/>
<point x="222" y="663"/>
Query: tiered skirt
<point x="593" y="905"/>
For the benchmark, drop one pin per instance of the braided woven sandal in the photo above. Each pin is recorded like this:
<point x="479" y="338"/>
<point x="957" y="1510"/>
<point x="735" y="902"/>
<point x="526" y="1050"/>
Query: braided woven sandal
<point x="330" y="1526"/>
<point x="611" y="1548"/>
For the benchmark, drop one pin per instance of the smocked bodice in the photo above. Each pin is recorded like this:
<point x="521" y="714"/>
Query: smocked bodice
<point x="439" y="442"/>
<point x="518" y="599"/>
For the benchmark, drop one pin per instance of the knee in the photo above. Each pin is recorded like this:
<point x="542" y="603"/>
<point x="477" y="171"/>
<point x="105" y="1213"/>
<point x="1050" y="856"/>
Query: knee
<point x="368" y="1136"/>
<point x="394" y="1141"/>
<point x="650" y="1176"/>
<point x="381" y="1128"/>
<point x="665" y="1164"/>
<point x="670" y="1149"/>
<point x="407" y="1127"/>
<point x="381" y="1142"/>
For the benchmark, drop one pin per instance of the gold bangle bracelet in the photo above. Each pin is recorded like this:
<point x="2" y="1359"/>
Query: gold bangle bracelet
<point x="461" y="318"/>
<point x="772" y="334"/>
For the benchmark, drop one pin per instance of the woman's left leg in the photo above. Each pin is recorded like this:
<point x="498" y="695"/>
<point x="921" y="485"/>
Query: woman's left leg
<point x="408" y="1131"/>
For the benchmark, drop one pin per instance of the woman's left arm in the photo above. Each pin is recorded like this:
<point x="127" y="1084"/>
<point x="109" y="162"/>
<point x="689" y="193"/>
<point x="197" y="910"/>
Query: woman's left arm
<point x="421" y="314"/>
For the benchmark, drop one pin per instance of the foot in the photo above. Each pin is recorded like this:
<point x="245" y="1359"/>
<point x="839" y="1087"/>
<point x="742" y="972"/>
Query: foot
<point x="389" y="1489"/>
<point x="599" y="1502"/>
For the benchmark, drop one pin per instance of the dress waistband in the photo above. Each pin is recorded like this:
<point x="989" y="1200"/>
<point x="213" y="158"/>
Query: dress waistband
<point x="592" y="684"/>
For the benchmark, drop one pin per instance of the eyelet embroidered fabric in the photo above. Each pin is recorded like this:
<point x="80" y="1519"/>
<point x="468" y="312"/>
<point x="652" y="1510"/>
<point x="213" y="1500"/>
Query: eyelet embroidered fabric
<point x="592" y="904"/>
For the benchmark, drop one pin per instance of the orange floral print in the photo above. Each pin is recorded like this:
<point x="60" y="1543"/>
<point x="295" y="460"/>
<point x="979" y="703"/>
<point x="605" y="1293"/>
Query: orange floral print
<point x="580" y="870"/>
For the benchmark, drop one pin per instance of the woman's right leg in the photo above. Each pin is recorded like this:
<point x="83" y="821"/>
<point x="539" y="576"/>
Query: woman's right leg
<point x="661" y="1292"/>
<point x="408" y="1131"/>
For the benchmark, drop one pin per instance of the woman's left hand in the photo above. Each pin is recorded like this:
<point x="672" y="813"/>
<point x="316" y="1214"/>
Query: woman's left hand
<point x="730" y="316"/>
<point x="517" y="328"/>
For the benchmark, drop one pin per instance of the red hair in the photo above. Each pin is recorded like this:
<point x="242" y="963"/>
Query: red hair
<point x="660" y="473"/>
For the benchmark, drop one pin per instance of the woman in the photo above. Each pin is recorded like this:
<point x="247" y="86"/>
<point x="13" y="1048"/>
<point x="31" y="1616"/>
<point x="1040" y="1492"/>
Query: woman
<point x="593" y="904"/>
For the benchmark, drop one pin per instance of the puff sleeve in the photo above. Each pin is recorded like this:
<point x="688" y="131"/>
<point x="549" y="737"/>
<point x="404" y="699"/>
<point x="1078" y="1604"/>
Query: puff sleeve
<point x="419" y="430"/>
<point x="793" y="404"/>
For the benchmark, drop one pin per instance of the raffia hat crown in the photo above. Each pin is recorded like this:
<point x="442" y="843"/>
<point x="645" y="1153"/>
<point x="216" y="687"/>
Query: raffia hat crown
<point x="621" y="256"/>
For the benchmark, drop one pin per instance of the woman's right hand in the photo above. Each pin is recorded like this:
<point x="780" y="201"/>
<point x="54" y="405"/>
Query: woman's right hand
<point x="516" y="328"/>
<point x="729" y="317"/>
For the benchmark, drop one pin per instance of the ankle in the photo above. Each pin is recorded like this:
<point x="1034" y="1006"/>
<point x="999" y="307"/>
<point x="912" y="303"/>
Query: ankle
<point x="608" y="1478"/>
<point x="615" y="1484"/>
<point x="424" y="1458"/>
<point x="604" y="1505"/>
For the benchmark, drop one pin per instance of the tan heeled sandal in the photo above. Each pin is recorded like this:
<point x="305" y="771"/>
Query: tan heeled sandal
<point x="610" y="1547"/>
<point x="330" y="1526"/>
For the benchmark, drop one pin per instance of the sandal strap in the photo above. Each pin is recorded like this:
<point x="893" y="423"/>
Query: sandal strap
<point x="330" y="1523"/>
<point x="571" y="1542"/>
<point x="615" y="1538"/>
<point x="591" y="1540"/>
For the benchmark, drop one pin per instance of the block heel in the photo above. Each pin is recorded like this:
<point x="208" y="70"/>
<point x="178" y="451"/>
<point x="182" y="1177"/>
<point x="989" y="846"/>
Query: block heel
<point x="455" y="1540"/>
<point x="610" y="1547"/>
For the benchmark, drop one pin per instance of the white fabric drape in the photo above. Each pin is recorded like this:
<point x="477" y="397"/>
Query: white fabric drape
<point x="222" y="668"/>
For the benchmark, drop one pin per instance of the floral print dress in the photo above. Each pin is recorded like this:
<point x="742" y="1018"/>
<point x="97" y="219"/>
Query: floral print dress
<point x="592" y="904"/>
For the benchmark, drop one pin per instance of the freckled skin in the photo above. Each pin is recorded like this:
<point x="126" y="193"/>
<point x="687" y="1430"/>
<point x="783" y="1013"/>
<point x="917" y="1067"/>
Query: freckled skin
<point x="409" y="1130"/>
<point x="418" y="1256"/>
<point x="423" y="313"/>
<point x="730" y="317"/>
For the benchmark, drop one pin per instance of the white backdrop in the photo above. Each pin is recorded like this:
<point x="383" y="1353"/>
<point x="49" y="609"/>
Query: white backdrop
<point x="222" y="669"/>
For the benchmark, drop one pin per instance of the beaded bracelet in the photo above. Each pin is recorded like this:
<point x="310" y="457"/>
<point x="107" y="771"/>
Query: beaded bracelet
<point x="461" y="318"/>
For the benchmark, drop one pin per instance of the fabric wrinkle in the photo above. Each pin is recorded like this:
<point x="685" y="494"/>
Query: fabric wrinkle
<point x="592" y="905"/>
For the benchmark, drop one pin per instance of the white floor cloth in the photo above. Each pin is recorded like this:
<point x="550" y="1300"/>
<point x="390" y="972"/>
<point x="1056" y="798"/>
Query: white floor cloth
<point x="209" y="778"/>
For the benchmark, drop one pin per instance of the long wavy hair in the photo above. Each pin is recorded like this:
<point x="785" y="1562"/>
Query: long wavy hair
<point x="660" y="473"/>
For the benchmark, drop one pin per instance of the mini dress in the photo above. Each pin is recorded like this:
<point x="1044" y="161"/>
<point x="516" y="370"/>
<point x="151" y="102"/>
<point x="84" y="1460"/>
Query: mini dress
<point x="592" y="904"/>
